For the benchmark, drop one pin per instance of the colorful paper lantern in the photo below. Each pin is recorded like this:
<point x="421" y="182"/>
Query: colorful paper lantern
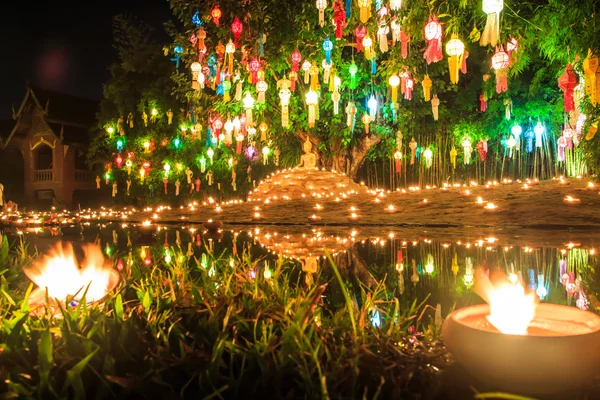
<point x="500" y="62"/>
<point x="365" y="10"/>
<point x="312" y="100"/>
<point x="321" y="6"/>
<point x="567" y="83"/>
<point x="491" y="32"/>
<point x="433" y="35"/>
<point x="394" y="82"/>
<point x="328" y="47"/>
<point x="216" y="14"/>
<point x="455" y="49"/>
<point x="237" y="28"/>
<point x="339" y="18"/>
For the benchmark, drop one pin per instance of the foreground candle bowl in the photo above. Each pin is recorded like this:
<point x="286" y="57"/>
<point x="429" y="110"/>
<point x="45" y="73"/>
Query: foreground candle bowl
<point x="37" y="298"/>
<point x="532" y="364"/>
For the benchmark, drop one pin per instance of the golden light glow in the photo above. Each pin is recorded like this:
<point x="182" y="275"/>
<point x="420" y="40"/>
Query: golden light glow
<point x="59" y="273"/>
<point x="511" y="310"/>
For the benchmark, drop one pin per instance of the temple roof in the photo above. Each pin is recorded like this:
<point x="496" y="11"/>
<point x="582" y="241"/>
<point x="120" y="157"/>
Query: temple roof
<point x="66" y="108"/>
<point x="69" y="117"/>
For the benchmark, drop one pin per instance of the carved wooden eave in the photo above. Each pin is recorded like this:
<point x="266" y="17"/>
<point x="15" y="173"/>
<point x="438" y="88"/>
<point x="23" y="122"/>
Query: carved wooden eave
<point x="14" y="129"/>
<point x="40" y="142"/>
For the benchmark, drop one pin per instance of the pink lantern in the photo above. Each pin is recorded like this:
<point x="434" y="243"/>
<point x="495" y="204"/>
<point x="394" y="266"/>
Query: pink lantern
<point x="500" y="62"/>
<point x="360" y="32"/>
<point x="433" y="34"/>
<point x="254" y="67"/>
<point x="296" y="58"/>
<point x="237" y="28"/>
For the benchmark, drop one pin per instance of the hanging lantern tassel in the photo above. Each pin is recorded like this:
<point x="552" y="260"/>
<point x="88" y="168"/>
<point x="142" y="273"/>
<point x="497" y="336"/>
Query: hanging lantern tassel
<point x="350" y="114"/>
<point x="248" y="105"/>
<point x="373" y="66"/>
<point x="453" y="154"/>
<point x="463" y="67"/>
<point x="336" y="97"/>
<point x="491" y="32"/>
<point x="394" y="83"/>
<point x="404" y="40"/>
<point x="238" y="148"/>
<point x="467" y="149"/>
<point x="507" y="108"/>
<point x="396" y="29"/>
<point x="591" y="70"/>
<point x="230" y="50"/>
<point x="567" y="83"/>
<point x="265" y="153"/>
<point x="428" y="155"/>
<point x="312" y="99"/>
<point x="455" y="50"/>
<point x="398" y="159"/>
<point x="322" y="5"/>
<point x="366" y="120"/>
<point x="165" y="184"/>
<point x="284" y="96"/>
<point x="382" y="33"/>
<point x="483" y="149"/>
<point x="261" y="88"/>
<point x="433" y="35"/>
<point x="326" y="71"/>
<point x="306" y="67"/>
<point x="483" y="104"/>
<point x="500" y="62"/>
<point x="328" y="47"/>
<point x="413" y="149"/>
<point x="427" y="83"/>
<point x="410" y="84"/>
<point x="365" y="10"/>
<point x="314" y="77"/>
<point x="339" y="18"/>
<point x="435" y="105"/>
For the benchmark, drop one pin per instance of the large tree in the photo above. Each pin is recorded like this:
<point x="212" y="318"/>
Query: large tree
<point x="548" y="34"/>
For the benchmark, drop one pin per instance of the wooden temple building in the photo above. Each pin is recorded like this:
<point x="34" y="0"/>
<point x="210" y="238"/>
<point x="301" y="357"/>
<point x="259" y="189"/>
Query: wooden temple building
<point x="49" y="135"/>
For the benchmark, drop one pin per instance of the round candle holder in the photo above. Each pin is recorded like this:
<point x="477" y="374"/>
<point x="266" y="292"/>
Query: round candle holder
<point x="559" y="353"/>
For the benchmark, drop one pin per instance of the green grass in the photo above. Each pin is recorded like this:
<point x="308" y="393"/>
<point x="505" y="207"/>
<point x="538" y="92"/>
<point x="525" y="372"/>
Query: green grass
<point x="210" y="330"/>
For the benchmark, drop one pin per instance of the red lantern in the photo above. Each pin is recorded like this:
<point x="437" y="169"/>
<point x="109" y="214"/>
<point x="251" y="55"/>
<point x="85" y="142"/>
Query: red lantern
<point x="404" y="40"/>
<point x="567" y="82"/>
<point x="254" y="67"/>
<point x="296" y="58"/>
<point x="216" y="14"/>
<point x="433" y="34"/>
<point x="339" y="18"/>
<point x="119" y="161"/>
<point x="237" y="28"/>
<point x="360" y="32"/>
<point x="483" y="104"/>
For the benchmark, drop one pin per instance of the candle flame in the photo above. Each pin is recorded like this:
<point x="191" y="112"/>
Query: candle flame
<point x="58" y="271"/>
<point x="511" y="309"/>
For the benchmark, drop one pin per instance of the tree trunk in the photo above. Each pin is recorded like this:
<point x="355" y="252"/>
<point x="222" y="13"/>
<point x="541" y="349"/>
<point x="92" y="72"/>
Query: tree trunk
<point x="359" y="152"/>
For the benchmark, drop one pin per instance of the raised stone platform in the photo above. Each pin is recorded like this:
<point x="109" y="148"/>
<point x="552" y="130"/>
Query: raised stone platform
<point x="299" y="183"/>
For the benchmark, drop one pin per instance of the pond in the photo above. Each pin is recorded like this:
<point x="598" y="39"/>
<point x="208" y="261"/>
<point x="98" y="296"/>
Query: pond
<point x="412" y="266"/>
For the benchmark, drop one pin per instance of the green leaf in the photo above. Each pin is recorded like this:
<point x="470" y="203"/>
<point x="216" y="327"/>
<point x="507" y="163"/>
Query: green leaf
<point x="119" y="307"/>
<point x="146" y="302"/>
<point x="74" y="376"/>
<point x="45" y="359"/>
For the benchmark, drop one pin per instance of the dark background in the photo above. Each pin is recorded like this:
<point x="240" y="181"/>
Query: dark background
<point x="63" y="45"/>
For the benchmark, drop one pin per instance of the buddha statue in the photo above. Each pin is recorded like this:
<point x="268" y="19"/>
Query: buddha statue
<point x="308" y="160"/>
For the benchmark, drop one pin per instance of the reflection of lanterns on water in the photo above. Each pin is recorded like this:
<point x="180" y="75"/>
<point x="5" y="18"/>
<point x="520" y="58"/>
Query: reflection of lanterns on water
<point x="429" y="265"/>
<point x="414" y="278"/>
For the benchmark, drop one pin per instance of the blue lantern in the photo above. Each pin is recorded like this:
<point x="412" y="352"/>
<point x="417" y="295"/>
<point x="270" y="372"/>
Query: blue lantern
<point x="120" y="145"/>
<point x="196" y="19"/>
<point x="328" y="46"/>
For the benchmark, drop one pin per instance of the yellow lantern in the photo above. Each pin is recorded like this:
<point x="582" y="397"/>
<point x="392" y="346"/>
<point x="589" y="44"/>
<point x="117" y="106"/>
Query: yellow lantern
<point x="365" y="10"/>
<point x="263" y="128"/>
<point x="591" y="72"/>
<point x="230" y="50"/>
<point x="367" y="43"/>
<point x="455" y="50"/>
<point x="427" y="83"/>
<point x="394" y="83"/>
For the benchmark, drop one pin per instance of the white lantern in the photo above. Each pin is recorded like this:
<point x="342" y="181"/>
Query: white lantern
<point x="491" y="32"/>
<point x="248" y="105"/>
<point x="312" y="100"/>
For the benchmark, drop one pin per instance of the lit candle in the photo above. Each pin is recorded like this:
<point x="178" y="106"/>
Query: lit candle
<point x="571" y="201"/>
<point x="591" y="186"/>
<point x="465" y="193"/>
<point x="526" y="186"/>
<point x="314" y="218"/>
<point x="490" y="207"/>
<point x="480" y="201"/>
<point x="424" y="202"/>
<point x="353" y="217"/>
<point x="390" y="209"/>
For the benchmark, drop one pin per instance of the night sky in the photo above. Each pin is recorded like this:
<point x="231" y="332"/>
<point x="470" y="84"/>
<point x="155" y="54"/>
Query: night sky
<point x="63" y="45"/>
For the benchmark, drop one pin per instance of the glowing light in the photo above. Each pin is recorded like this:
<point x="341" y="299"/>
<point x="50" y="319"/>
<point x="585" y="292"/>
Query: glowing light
<point x="511" y="310"/>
